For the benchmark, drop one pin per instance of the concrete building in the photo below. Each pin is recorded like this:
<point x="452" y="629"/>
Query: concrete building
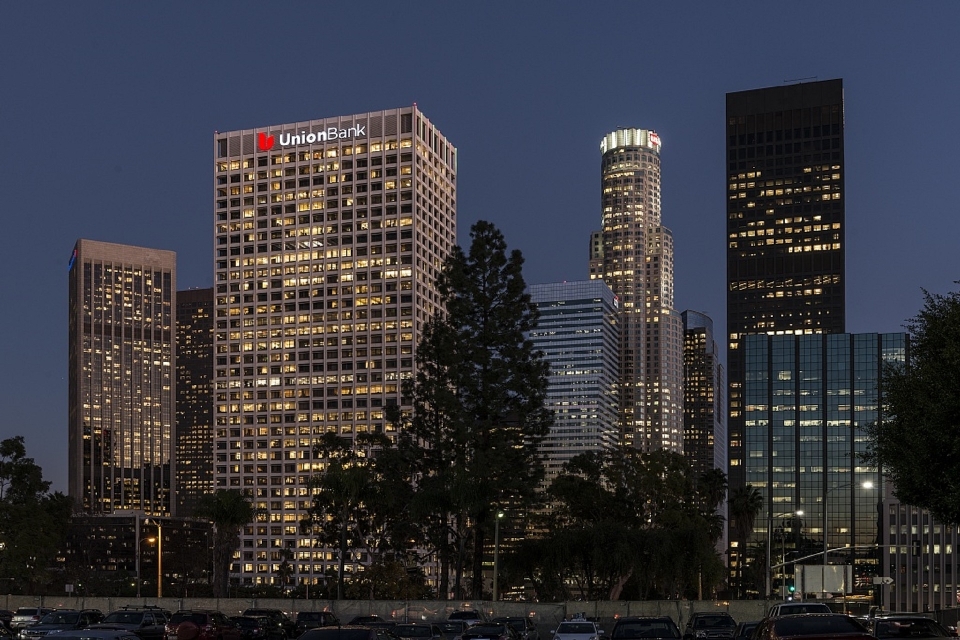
<point x="328" y="237"/>
<point x="121" y="400"/>
<point x="634" y="256"/>
<point x="578" y="333"/>
<point x="194" y="426"/>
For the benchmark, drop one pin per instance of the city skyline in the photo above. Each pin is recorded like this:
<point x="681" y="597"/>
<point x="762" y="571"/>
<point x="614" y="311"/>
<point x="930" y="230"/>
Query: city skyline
<point x="128" y="98"/>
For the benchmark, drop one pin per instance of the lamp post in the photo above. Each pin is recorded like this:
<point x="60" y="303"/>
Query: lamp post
<point x="496" y="552"/>
<point x="826" y="493"/>
<point x="770" y="517"/>
<point x="157" y="524"/>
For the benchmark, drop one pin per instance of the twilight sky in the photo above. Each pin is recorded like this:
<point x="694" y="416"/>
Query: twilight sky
<point x="108" y="113"/>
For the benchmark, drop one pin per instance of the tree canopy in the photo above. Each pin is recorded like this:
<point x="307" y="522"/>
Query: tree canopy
<point x="916" y="441"/>
<point x="33" y="521"/>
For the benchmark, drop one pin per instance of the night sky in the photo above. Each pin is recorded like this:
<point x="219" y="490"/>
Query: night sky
<point x="108" y="113"/>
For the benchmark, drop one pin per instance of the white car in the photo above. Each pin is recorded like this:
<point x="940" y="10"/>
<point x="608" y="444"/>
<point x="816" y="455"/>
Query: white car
<point x="577" y="630"/>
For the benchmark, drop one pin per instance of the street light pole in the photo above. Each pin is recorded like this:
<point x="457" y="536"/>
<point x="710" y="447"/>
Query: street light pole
<point x="496" y="553"/>
<point x="137" y="549"/>
<point x="770" y="518"/>
<point x="159" y="556"/>
<point x="826" y="546"/>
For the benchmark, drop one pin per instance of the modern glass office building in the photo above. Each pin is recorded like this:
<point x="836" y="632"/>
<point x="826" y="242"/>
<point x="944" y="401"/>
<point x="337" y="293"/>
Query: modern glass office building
<point x="194" y="426"/>
<point x="704" y="405"/>
<point x="806" y="401"/>
<point x="633" y="254"/>
<point x="121" y="358"/>
<point x="328" y="238"/>
<point x="578" y="334"/>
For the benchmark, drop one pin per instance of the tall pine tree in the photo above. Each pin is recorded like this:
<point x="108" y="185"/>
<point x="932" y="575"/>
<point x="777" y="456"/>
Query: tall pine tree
<point x="478" y="401"/>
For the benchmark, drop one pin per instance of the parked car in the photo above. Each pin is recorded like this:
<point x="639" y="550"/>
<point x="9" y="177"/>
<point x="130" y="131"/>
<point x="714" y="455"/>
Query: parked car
<point x="201" y="625"/>
<point x="259" y="628"/>
<point x="452" y="629"/>
<point x="25" y="616"/>
<point x="60" y="620"/>
<point x="713" y="625"/>
<point x="417" y="631"/>
<point x="277" y="616"/>
<point x="660" y="627"/>
<point x="907" y="626"/>
<point x="470" y="615"/>
<point x="490" y="631"/>
<point x="522" y="625"/>
<point x="822" y="626"/>
<point x="347" y="633"/>
<point x="364" y="620"/>
<point x="313" y="620"/>
<point x="577" y="630"/>
<point x="147" y="623"/>
<point x="96" y="634"/>
<point x="797" y="608"/>
<point x="745" y="630"/>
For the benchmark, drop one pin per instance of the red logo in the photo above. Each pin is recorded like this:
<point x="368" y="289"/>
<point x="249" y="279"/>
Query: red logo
<point x="265" y="142"/>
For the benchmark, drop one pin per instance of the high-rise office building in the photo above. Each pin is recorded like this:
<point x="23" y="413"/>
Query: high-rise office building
<point x="806" y="401"/>
<point x="578" y="333"/>
<point x="785" y="223"/>
<point x="704" y="406"/>
<point x="121" y="358"/>
<point x="328" y="238"/>
<point x="633" y="254"/>
<point x="194" y="426"/>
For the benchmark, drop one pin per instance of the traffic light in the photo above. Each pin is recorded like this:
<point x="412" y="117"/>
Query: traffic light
<point x="791" y="587"/>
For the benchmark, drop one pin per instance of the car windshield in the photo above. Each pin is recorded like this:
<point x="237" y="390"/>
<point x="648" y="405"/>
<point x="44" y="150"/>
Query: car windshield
<point x="910" y="628"/>
<point x="199" y="619"/>
<point x="485" y="629"/>
<point x="336" y="633"/>
<point x="61" y="617"/>
<point x="815" y="625"/>
<point x="412" y="631"/>
<point x="26" y="611"/>
<point x="451" y="627"/>
<point x="576" y="627"/>
<point x="715" y="621"/>
<point x="646" y="629"/>
<point x="123" y="617"/>
<point x="246" y="622"/>
<point x="310" y="615"/>
<point x="746" y="630"/>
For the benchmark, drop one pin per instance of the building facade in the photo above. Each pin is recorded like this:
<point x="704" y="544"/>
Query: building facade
<point x="122" y="351"/>
<point x="635" y="258"/>
<point x="807" y="399"/>
<point x="578" y="334"/>
<point x="194" y="426"/>
<point x="785" y="223"/>
<point x="704" y="406"/>
<point x="328" y="237"/>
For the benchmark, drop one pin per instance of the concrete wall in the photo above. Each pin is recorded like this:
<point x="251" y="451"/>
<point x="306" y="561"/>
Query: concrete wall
<point x="546" y="615"/>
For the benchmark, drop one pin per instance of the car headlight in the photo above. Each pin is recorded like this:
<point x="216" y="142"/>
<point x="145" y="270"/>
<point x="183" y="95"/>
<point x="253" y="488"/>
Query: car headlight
<point x="701" y="634"/>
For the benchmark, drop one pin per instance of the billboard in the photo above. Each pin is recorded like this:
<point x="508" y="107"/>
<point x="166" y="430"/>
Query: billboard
<point x="824" y="578"/>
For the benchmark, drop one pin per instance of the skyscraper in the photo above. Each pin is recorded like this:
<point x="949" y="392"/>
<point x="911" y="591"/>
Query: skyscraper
<point x="328" y="237"/>
<point x="785" y="223"/>
<point x="578" y="333"/>
<point x="194" y="425"/>
<point x="121" y="402"/>
<point x="704" y="406"/>
<point x="635" y="258"/>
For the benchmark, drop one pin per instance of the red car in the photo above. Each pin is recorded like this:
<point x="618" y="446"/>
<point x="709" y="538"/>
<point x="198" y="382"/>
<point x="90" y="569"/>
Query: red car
<point x="812" y="626"/>
<point x="201" y="625"/>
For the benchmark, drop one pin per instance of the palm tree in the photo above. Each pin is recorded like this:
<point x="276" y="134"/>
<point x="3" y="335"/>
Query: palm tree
<point x="745" y="504"/>
<point x="229" y="510"/>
